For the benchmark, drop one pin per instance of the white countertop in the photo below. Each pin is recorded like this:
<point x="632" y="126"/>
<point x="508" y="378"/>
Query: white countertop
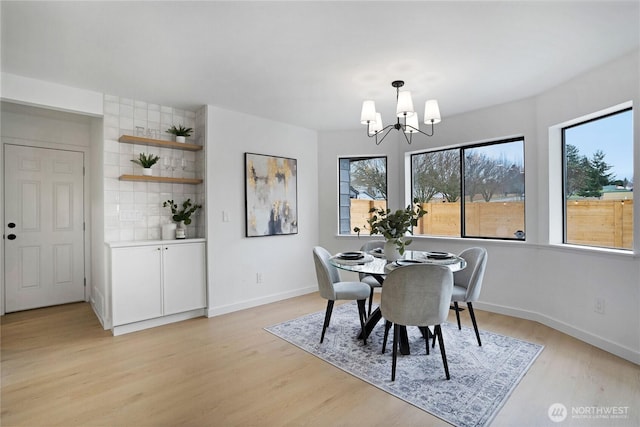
<point x="153" y="242"/>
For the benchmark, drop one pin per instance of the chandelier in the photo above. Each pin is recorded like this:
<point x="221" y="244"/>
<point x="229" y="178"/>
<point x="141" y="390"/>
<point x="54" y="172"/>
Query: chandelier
<point x="404" y="110"/>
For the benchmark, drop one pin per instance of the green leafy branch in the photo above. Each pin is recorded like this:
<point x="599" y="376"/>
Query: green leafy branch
<point x="394" y="226"/>
<point x="183" y="213"/>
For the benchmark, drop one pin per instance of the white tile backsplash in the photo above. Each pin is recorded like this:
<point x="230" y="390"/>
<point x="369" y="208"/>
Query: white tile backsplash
<point x="154" y="117"/>
<point x="133" y="209"/>
<point x="126" y="111"/>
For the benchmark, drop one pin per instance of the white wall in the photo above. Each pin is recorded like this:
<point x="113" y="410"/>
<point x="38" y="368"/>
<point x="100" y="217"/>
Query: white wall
<point x="284" y="261"/>
<point x="554" y="285"/>
<point x="25" y="90"/>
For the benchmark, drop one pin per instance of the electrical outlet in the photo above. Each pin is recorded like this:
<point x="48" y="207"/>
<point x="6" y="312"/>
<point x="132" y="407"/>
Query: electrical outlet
<point x="258" y="277"/>
<point x="599" y="305"/>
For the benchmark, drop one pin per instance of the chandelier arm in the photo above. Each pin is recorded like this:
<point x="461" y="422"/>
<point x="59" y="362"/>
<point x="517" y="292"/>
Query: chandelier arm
<point x="387" y="128"/>
<point x="409" y="138"/>
<point x="418" y="130"/>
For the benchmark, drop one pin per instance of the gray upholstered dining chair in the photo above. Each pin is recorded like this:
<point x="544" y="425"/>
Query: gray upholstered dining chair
<point x="468" y="282"/>
<point x="332" y="288"/>
<point x="368" y="278"/>
<point x="417" y="295"/>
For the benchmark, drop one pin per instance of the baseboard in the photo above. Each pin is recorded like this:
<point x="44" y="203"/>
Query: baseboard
<point x="595" y="340"/>
<point x="230" y="308"/>
<point x="105" y="326"/>
<point x="158" y="321"/>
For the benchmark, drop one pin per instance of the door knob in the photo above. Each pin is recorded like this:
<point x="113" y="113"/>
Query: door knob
<point x="11" y="225"/>
<point x="11" y="237"/>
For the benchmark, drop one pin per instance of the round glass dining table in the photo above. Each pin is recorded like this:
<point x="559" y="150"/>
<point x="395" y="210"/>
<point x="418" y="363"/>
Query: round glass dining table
<point x="377" y="266"/>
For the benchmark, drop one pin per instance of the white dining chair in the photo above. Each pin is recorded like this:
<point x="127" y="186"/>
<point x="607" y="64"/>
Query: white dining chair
<point x="368" y="278"/>
<point x="467" y="283"/>
<point x="332" y="289"/>
<point x="417" y="295"/>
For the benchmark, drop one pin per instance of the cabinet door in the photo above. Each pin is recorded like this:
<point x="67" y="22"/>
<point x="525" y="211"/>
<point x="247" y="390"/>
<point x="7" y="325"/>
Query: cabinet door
<point x="184" y="277"/>
<point x="135" y="284"/>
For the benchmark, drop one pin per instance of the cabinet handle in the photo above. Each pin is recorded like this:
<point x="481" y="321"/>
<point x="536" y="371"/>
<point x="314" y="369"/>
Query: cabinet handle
<point x="166" y="249"/>
<point x="157" y="249"/>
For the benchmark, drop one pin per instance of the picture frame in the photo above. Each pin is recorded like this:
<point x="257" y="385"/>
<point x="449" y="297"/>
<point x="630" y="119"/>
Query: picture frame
<point x="271" y="195"/>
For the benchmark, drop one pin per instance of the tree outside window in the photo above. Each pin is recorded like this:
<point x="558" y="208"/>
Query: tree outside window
<point x="492" y="178"/>
<point x="598" y="181"/>
<point x="363" y="185"/>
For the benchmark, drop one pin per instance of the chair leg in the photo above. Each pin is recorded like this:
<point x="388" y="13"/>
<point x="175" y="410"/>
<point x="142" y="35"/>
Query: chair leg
<point x="362" y="313"/>
<point x="370" y="300"/>
<point x="396" y="332"/>
<point x="387" y="326"/>
<point x="457" y="310"/>
<point x="426" y="339"/>
<point x="438" y="331"/>
<point x="327" y="318"/>
<point x="426" y="334"/>
<point x="473" y="320"/>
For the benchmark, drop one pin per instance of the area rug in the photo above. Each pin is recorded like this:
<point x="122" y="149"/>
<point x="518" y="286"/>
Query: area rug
<point x="482" y="378"/>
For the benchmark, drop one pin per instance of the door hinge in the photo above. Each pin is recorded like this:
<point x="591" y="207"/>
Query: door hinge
<point x="85" y="282"/>
<point x="83" y="171"/>
<point x="84" y="226"/>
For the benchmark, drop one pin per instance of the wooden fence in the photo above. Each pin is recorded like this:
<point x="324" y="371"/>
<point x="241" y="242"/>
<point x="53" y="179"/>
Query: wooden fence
<point x="604" y="223"/>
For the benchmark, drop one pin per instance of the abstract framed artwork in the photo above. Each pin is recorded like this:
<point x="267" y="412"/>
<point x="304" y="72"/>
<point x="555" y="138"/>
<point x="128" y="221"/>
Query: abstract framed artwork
<point x="271" y="195"/>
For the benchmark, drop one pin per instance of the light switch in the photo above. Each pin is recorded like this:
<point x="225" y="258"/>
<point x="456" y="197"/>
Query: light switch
<point x="225" y="216"/>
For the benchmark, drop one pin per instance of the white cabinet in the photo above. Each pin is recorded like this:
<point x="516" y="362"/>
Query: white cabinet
<point x="157" y="281"/>
<point x="183" y="277"/>
<point x="136" y="283"/>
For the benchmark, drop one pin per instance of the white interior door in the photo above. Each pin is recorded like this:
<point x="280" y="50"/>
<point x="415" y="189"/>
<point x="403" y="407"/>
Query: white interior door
<point x="44" y="227"/>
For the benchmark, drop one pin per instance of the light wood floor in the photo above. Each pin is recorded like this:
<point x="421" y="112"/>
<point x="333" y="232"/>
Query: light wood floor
<point x="59" y="368"/>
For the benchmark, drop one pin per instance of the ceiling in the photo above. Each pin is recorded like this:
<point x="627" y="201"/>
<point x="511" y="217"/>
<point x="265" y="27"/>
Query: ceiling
<point x="311" y="63"/>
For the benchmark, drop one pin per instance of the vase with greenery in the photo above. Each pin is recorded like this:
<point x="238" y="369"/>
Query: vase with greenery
<point x="394" y="226"/>
<point x="180" y="132"/>
<point x="146" y="161"/>
<point x="181" y="214"/>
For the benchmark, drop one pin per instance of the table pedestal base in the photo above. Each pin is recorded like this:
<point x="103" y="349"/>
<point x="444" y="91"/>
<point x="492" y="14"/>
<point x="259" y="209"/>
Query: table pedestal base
<point x="376" y="316"/>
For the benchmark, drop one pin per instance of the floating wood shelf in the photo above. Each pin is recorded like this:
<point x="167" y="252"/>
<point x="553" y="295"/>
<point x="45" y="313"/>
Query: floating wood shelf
<point x="160" y="179"/>
<point x="130" y="139"/>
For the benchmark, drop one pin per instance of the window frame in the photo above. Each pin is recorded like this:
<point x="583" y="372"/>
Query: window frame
<point x="461" y="149"/>
<point x="340" y="181"/>
<point x="593" y="117"/>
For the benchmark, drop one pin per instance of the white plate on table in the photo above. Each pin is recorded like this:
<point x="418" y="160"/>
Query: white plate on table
<point x="377" y="252"/>
<point x="350" y="256"/>
<point x="439" y="255"/>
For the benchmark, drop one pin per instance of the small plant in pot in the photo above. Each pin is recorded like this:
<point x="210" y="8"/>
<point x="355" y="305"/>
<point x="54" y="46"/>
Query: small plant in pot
<point x="181" y="215"/>
<point x="180" y="132"/>
<point x="146" y="161"/>
<point x="394" y="226"/>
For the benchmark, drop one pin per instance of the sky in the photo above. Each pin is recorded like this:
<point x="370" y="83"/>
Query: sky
<point x="613" y="135"/>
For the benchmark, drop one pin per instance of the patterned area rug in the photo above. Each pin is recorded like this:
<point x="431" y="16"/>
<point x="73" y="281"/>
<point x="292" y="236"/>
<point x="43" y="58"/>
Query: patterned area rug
<point x="482" y="378"/>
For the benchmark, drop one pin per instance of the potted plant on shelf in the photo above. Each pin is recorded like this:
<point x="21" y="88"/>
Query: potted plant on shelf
<point x="180" y="132"/>
<point x="181" y="215"/>
<point x="146" y="161"/>
<point x="394" y="226"/>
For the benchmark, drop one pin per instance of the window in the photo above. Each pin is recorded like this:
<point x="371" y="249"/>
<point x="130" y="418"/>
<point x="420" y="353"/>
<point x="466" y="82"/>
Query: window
<point x="597" y="162"/>
<point x="363" y="185"/>
<point x="491" y="178"/>
<point x="435" y="178"/>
